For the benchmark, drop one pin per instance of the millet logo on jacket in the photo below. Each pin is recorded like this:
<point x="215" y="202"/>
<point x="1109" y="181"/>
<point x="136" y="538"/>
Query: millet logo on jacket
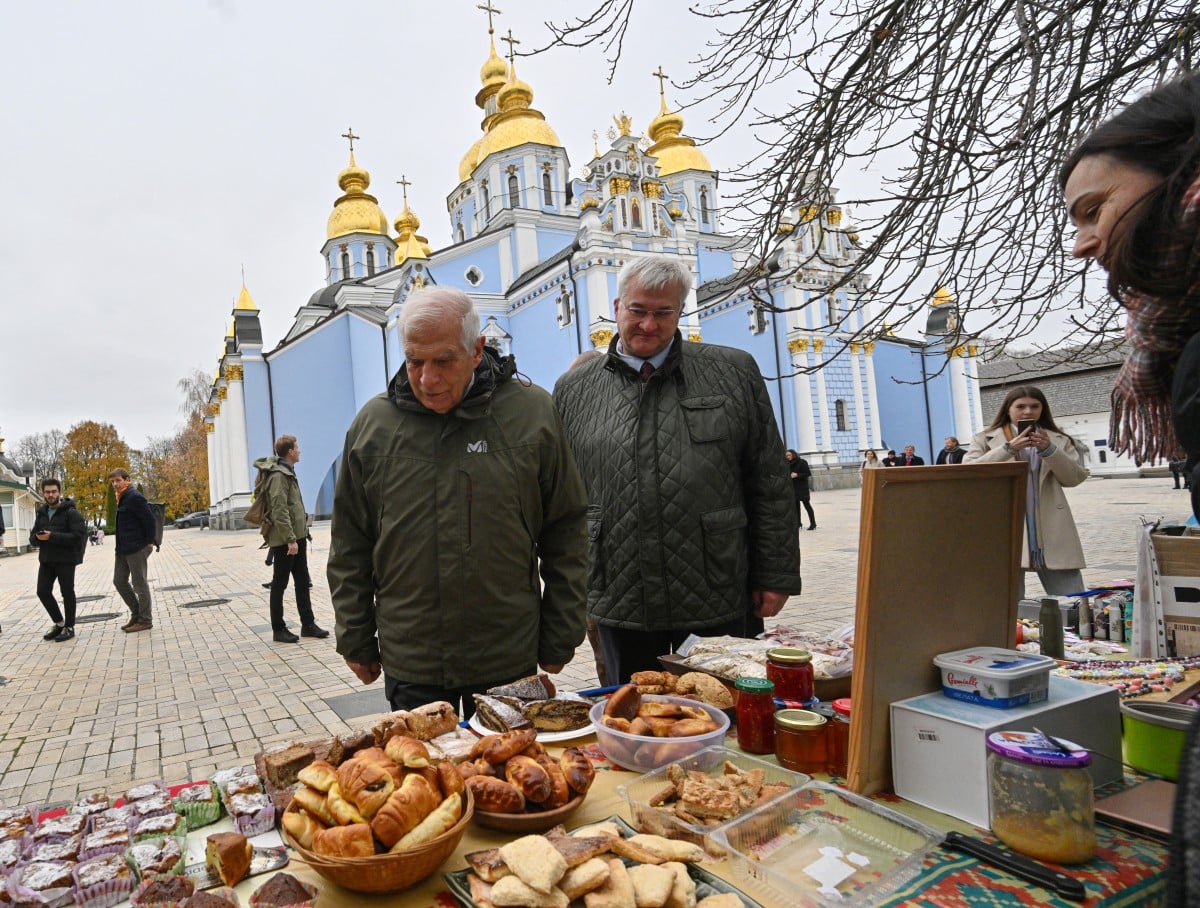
<point x="477" y="447"/>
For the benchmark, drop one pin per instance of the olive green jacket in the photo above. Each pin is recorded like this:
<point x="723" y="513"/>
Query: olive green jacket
<point x="441" y="523"/>
<point x="289" y="520"/>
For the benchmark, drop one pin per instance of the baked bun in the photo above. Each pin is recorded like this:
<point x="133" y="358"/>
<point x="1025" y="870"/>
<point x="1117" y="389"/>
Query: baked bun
<point x="529" y="778"/>
<point x="501" y="747"/>
<point x="577" y="769"/>
<point x="494" y="795"/>
<point x="352" y="841"/>
<point x="227" y="854"/>
<point x="686" y="728"/>
<point x="624" y="702"/>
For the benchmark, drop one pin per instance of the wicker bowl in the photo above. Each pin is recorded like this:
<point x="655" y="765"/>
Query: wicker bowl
<point x="387" y="872"/>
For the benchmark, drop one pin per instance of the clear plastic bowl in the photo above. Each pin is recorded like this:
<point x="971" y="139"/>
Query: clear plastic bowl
<point x="641" y="753"/>
<point x="822" y="846"/>
<point x="711" y="760"/>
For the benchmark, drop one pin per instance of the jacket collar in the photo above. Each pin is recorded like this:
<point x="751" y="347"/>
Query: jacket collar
<point x="674" y="353"/>
<point x="493" y="371"/>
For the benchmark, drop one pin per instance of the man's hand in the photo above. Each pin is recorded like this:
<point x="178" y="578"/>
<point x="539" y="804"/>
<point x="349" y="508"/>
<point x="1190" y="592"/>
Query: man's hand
<point x="150" y="548"/>
<point x="293" y="548"/>
<point x="43" y="535"/>
<point x="367" y="672"/>
<point x="767" y="604"/>
<point x="551" y="668"/>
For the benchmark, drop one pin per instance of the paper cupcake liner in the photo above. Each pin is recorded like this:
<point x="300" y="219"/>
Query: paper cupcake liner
<point x="58" y="897"/>
<point x="156" y="784"/>
<point x="199" y="813"/>
<point x="254" y="824"/>
<point x="175" y="869"/>
<point x="135" y="898"/>
<point x="313" y="892"/>
<point x="86" y="854"/>
<point x="104" y="895"/>
<point x="180" y="832"/>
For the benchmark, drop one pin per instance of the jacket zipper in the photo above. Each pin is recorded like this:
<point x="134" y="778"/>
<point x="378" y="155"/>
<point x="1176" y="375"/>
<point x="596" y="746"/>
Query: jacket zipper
<point x="470" y="500"/>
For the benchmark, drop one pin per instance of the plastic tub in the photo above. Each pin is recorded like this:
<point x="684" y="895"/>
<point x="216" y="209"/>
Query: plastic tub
<point x="712" y="761"/>
<point x="999" y="678"/>
<point x="641" y="753"/>
<point x="822" y="846"/>
<point x="1155" y="734"/>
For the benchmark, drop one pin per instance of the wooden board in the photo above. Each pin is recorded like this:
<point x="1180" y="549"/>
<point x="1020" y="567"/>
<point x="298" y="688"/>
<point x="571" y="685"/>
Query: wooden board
<point x="939" y="563"/>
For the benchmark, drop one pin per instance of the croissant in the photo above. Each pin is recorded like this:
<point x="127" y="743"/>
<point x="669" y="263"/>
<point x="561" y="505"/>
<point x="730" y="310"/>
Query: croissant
<point x="500" y="748"/>
<point x="529" y="778"/>
<point x="409" y="804"/>
<point x="319" y="775"/>
<point x="302" y="826"/>
<point x="495" y="795"/>
<point x="316" y="803"/>
<point x="444" y="816"/>
<point x="408" y="752"/>
<point x="344" y="813"/>
<point x="365" y="784"/>
<point x="352" y="841"/>
<point x="450" y="780"/>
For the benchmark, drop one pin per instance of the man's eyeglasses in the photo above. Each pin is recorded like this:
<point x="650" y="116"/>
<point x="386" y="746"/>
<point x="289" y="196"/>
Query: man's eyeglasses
<point x="659" y="315"/>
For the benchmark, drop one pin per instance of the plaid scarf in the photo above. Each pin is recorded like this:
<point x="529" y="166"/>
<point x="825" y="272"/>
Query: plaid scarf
<point x="1157" y="329"/>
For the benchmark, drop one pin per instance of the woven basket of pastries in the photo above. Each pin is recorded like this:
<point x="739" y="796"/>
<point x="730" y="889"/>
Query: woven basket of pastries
<point x="381" y="821"/>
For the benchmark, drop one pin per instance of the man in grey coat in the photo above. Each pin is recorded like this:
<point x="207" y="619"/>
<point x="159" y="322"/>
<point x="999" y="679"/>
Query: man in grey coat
<point x="692" y="524"/>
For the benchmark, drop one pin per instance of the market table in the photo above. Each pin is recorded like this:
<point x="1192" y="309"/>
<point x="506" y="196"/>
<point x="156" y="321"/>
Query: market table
<point x="1126" y="870"/>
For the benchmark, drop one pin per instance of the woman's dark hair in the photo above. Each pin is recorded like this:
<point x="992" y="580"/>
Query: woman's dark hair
<point x="1159" y="134"/>
<point x="795" y="456"/>
<point x="1046" y="420"/>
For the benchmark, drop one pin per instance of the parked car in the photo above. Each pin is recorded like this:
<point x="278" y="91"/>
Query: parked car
<point x="194" y="519"/>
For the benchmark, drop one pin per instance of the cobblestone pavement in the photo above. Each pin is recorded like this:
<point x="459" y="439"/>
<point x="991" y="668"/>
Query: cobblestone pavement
<point x="208" y="688"/>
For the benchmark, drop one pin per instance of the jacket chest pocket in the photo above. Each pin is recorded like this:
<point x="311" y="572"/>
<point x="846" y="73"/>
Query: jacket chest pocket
<point x="706" y="418"/>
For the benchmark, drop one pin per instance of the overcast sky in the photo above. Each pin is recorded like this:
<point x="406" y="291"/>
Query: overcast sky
<point x="155" y="148"/>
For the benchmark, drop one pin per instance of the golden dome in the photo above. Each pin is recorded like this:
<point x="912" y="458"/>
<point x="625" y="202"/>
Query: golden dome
<point x="516" y="122"/>
<point x="466" y="166"/>
<point x="494" y="69"/>
<point x="244" y="302"/>
<point x="675" y="152"/>
<point x="356" y="211"/>
<point x="943" y="297"/>
<point x="408" y="244"/>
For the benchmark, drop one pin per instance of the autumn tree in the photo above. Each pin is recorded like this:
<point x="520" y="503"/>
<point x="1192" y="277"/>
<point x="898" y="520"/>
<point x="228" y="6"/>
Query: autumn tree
<point x="943" y="125"/>
<point x="44" y="450"/>
<point x="175" y="469"/>
<point x="93" y="450"/>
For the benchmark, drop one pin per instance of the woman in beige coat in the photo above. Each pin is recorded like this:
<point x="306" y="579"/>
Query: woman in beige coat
<point x="1055" y="461"/>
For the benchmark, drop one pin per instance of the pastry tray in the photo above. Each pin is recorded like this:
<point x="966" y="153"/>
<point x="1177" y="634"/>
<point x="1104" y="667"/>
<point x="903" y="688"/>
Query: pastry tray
<point x="706" y="883"/>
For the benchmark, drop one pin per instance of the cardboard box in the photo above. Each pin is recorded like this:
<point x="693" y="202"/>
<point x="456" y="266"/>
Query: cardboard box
<point x="939" y="749"/>
<point x="1177" y="587"/>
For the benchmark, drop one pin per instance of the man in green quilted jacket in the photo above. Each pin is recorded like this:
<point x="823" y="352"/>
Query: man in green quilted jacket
<point x="691" y="523"/>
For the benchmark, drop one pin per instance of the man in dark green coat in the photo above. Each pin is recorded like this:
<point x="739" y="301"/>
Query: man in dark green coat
<point x="455" y="490"/>
<point x="692" y="524"/>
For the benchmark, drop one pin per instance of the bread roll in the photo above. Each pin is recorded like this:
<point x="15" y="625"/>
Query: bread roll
<point x="577" y="769"/>
<point x="560" y="791"/>
<point x="615" y="722"/>
<point x="660" y="727"/>
<point x="353" y="841"/>
<point x="407" y="752"/>
<point x="529" y="778"/>
<point x="640" y="726"/>
<point x="319" y="775"/>
<point x="502" y="747"/>
<point x="494" y="795"/>
<point x="302" y="826"/>
<point x="409" y="804"/>
<point x="624" y="702"/>
<point x="660" y="710"/>
<point x="686" y="728"/>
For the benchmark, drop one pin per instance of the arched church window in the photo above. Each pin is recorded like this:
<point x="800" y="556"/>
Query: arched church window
<point x="345" y="265"/>
<point x="564" y="308"/>
<point x="547" y="192"/>
<point x="487" y="201"/>
<point x="839" y="411"/>
<point x="636" y="214"/>
<point x="462" y="233"/>
<point x="370" y="261"/>
<point x="703" y="205"/>
<point x="514" y="191"/>
<point x="624" y="214"/>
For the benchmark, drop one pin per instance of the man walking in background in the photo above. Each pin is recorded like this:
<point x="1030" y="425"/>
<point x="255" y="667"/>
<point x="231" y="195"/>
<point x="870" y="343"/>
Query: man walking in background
<point x="59" y="534"/>
<point x="288" y="539"/>
<point x="135" y="542"/>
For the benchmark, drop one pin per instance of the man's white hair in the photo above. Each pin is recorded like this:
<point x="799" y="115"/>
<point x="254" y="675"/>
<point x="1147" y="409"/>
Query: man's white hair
<point x="431" y="306"/>
<point x="655" y="272"/>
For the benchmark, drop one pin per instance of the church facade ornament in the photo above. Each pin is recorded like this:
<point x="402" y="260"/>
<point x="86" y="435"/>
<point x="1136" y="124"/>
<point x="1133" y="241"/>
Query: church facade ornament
<point x="694" y="337"/>
<point x="799" y="345"/>
<point x="233" y="373"/>
<point x="818" y="344"/>
<point x="602" y="337"/>
<point x="223" y="392"/>
<point x="869" y="347"/>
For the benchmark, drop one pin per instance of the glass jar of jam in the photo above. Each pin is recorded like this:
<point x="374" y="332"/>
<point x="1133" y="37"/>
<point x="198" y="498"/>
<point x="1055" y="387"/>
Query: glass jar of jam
<point x="755" y="715"/>
<point x="1040" y="798"/>
<point x="792" y="673"/>
<point x="800" y="740"/>
<point x="837" y="736"/>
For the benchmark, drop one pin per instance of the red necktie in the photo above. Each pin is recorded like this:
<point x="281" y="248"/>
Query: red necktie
<point x="908" y="461"/>
<point x="647" y="370"/>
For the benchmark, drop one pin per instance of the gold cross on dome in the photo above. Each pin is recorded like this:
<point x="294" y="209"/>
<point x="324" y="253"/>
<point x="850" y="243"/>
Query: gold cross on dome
<point x="662" y="77"/>
<point x="404" y="184"/>
<point x="349" y="134"/>
<point x="512" y="45"/>
<point x="490" y="10"/>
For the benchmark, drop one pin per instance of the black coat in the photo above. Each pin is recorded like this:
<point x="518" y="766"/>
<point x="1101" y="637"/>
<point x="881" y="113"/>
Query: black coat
<point x="954" y="455"/>
<point x="68" y="534"/>
<point x="803" y="472"/>
<point x="135" y="522"/>
<point x="1185" y="412"/>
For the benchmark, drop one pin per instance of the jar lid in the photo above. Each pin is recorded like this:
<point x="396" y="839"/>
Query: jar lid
<point x="787" y="655"/>
<point x="1032" y="748"/>
<point x="842" y="705"/>
<point x="822" y="709"/>
<point x="755" y="685"/>
<point x="799" y="719"/>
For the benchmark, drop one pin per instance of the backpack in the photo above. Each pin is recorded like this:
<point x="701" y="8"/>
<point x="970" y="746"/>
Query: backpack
<point x="159" y="510"/>
<point x="257" y="515"/>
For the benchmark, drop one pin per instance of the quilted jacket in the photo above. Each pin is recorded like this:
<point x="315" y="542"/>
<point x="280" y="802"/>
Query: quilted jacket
<point x="441" y="523"/>
<point x="689" y="504"/>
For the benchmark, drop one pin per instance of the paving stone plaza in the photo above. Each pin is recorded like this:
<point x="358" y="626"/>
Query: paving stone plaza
<point x="207" y="687"/>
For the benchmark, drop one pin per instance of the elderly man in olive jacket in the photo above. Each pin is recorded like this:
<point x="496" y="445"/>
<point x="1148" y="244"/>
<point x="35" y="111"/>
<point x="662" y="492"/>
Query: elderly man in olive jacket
<point x="692" y="524"/>
<point x="456" y="488"/>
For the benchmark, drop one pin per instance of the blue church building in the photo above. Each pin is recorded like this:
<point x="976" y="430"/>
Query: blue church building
<point x="539" y="250"/>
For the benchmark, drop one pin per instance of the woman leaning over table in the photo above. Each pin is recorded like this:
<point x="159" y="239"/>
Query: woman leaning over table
<point x="1132" y="190"/>
<point x="1055" y="460"/>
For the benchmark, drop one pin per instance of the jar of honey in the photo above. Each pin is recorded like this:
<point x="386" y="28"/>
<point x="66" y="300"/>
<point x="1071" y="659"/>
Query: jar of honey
<point x="837" y="736"/>
<point x="792" y="673"/>
<point x="800" y="740"/>
<point x="755" y="715"/>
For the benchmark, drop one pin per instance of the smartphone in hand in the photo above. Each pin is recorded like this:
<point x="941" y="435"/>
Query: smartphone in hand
<point x="1024" y="424"/>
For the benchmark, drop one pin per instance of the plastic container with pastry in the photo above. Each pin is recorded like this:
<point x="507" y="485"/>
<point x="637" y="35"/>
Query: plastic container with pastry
<point x="644" y="731"/>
